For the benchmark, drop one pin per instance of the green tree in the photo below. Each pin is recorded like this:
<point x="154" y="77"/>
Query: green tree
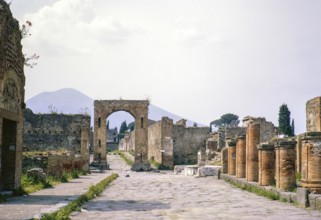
<point x="284" y="120"/>
<point x="225" y="119"/>
<point x="292" y="127"/>
<point x="122" y="130"/>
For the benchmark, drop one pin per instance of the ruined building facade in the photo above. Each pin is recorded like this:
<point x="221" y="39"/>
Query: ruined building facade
<point x="43" y="132"/>
<point x="170" y="144"/>
<point x="12" y="82"/>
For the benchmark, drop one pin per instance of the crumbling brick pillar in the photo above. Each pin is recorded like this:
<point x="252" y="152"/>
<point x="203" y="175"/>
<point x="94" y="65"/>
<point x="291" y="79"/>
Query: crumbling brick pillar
<point x="231" y="157"/>
<point x="224" y="157"/>
<point x="240" y="157"/>
<point x="311" y="162"/>
<point x="266" y="164"/>
<point x="252" y="160"/>
<point x="285" y="164"/>
<point x="84" y="147"/>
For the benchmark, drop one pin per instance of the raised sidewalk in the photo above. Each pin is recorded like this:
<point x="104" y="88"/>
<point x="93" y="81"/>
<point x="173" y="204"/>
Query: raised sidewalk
<point x="48" y="200"/>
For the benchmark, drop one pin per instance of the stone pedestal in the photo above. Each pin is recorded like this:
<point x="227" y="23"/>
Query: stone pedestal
<point x="224" y="157"/>
<point x="240" y="157"/>
<point x="266" y="164"/>
<point x="252" y="159"/>
<point x="231" y="157"/>
<point x="141" y="167"/>
<point x="190" y="170"/>
<point x="285" y="164"/>
<point x="311" y="162"/>
<point x="201" y="157"/>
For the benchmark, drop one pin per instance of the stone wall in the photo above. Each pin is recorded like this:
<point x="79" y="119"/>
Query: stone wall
<point x="187" y="142"/>
<point x="160" y="142"/>
<point x="313" y="114"/>
<point x="44" y="132"/>
<point x="12" y="82"/>
<point x="128" y="142"/>
<point x="267" y="129"/>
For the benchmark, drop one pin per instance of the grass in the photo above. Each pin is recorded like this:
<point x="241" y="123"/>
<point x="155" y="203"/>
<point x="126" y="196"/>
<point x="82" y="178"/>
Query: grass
<point x="30" y="184"/>
<point x="159" y="166"/>
<point x="123" y="156"/>
<point x="92" y="192"/>
<point x="258" y="191"/>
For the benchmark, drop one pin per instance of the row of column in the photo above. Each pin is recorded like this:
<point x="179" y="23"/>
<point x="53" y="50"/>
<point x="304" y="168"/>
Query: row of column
<point x="265" y="163"/>
<point x="262" y="163"/>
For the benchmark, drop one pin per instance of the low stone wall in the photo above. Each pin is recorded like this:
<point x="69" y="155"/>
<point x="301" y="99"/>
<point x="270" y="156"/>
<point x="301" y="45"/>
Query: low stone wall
<point x="300" y="198"/>
<point x="55" y="164"/>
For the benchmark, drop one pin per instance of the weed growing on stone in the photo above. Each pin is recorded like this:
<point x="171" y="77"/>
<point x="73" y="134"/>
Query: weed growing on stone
<point x="123" y="156"/>
<point x="30" y="184"/>
<point x="254" y="189"/>
<point x="159" y="166"/>
<point x="93" y="191"/>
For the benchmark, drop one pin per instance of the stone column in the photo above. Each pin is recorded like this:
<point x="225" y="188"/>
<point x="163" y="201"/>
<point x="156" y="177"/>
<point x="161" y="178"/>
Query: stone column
<point x="252" y="160"/>
<point x="266" y="164"/>
<point x="285" y="164"/>
<point x="201" y="157"/>
<point x="311" y="162"/>
<point x="231" y="157"/>
<point x="240" y="156"/>
<point x="224" y="157"/>
<point x="84" y="148"/>
<point x="100" y="151"/>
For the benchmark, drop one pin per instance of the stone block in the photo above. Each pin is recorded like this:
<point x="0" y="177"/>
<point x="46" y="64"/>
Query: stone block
<point x="302" y="197"/>
<point x="286" y="196"/>
<point x="315" y="201"/>
<point x="141" y="167"/>
<point x="178" y="169"/>
<point x="209" y="171"/>
<point x="190" y="170"/>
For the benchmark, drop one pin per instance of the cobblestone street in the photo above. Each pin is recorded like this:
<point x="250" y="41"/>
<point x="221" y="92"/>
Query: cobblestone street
<point x="149" y="195"/>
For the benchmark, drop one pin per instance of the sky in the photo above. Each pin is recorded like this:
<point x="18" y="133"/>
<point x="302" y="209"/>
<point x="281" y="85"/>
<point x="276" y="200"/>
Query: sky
<point x="196" y="58"/>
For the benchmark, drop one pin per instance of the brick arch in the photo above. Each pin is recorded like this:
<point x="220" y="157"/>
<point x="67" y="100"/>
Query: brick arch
<point x="139" y="110"/>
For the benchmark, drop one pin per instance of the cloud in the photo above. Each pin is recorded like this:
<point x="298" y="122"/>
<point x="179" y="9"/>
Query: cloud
<point x="74" y="26"/>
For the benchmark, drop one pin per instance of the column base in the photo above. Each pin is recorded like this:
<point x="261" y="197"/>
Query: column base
<point x="103" y="165"/>
<point x="141" y="167"/>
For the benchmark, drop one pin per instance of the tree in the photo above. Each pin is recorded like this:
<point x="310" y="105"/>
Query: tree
<point x="292" y="127"/>
<point x="30" y="61"/>
<point x="284" y="120"/>
<point x="131" y="126"/>
<point x="225" y="120"/>
<point x="123" y="128"/>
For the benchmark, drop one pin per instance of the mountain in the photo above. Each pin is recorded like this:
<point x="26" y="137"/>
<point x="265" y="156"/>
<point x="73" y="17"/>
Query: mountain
<point x="72" y="101"/>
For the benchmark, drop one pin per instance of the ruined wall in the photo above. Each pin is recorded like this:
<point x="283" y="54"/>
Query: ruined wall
<point x="267" y="129"/>
<point x="313" y="114"/>
<point x="54" y="131"/>
<point x="187" y="142"/>
<point x="12" y="82"/>
<point x="160" y="142"/>
<point x="128" y="142"/>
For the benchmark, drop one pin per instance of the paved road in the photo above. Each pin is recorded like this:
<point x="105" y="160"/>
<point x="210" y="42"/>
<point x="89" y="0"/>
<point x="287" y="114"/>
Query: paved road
<point x="147" y="195"/>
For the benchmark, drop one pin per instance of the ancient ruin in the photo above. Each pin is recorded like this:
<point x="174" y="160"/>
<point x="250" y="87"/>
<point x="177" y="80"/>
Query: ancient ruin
<point x="44" y="132"/>
<point x="139" y="110"/>
<point x="12" y="82"/>
<point x="63" y="142"/>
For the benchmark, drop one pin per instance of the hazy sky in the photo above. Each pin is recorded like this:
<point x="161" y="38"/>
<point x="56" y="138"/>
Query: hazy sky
<point x="196" y="58"/>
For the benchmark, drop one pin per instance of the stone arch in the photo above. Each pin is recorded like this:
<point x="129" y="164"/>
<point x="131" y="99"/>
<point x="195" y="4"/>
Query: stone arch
<point x="139" y="110"/>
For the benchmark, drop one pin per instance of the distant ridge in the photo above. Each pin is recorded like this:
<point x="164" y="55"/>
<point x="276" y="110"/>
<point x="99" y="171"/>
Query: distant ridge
<point x="72" y="101"/>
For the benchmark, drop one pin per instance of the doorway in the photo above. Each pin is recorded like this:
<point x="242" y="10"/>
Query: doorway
<point x="8" y="154"/>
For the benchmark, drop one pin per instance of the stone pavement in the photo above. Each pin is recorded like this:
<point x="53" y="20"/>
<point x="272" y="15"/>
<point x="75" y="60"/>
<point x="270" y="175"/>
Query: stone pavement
<point x="43" y="201"/>
<point x="149" y="195"/>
